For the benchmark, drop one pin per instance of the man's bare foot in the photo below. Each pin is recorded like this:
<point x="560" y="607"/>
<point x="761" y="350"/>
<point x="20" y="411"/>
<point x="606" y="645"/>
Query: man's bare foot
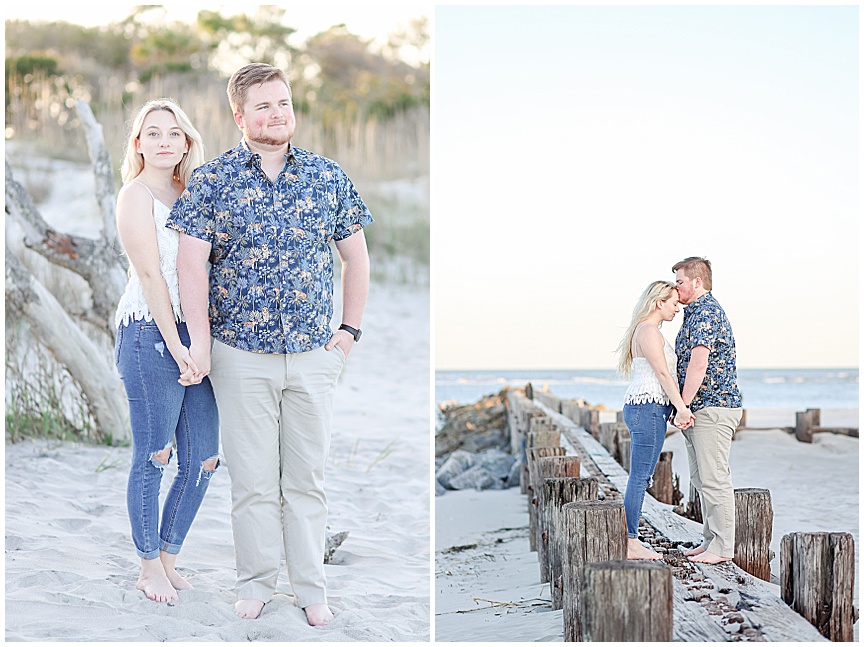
<point x="154" y="583"/>
<point x="707" y="557"/>
<point x="248" y="609"/>
<point x="168" y="560"/>
<point x="318" y="615"/>
<point x="696" y="551"/>
<point x="635" y="550"/>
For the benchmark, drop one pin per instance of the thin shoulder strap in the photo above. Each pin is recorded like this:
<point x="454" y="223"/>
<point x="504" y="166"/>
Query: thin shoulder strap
<point x="636" y="332"/>
<point x="146" y="187"/>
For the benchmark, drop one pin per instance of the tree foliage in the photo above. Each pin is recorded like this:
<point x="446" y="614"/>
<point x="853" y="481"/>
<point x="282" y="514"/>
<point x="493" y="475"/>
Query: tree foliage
<point x="336" y="71"/>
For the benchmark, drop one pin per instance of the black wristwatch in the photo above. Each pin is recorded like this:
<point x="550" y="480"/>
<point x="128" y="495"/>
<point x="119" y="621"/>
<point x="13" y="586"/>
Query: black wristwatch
<point x="353" y="331"/>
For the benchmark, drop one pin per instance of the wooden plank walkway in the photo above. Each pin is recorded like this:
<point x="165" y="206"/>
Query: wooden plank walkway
<point x="712" y="603"/>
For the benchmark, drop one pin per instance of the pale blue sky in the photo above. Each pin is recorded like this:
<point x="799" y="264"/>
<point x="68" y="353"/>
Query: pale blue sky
<point x="579" y="152"/>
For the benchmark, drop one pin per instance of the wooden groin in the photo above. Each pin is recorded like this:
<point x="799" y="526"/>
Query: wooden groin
<point x="807" y="423"/>
<point x="710" y="603"/>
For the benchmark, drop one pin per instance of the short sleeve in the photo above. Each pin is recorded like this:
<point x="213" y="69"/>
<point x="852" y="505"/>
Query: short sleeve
<point x="352" y="215"/>
<point x="193" y="213"/>
<point x="704" y="330"/>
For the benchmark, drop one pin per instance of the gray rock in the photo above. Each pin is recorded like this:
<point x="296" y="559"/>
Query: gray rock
<point x="515" y="475"/>
<point x="478" y="478"/>
<point x="499" y="463"/>
<point x="459" y="461"/>
<point x="439" y="489"/>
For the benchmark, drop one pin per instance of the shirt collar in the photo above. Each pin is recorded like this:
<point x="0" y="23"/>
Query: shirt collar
<point x="691" y="307"/>
<point x="247" y="156"/>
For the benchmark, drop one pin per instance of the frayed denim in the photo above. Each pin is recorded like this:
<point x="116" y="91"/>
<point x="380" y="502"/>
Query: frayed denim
<point x="163" y="413"/>
<point x="647" y="425"/>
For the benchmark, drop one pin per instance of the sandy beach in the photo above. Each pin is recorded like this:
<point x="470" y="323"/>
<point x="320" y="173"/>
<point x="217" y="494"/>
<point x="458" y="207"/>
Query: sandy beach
<point x="71" y="567"/>
<point x="487" y="584"/>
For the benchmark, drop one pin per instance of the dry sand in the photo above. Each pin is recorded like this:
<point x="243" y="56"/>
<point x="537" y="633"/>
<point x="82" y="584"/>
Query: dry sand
<point x="487" y="582"/>
<point x="71" y="567"/>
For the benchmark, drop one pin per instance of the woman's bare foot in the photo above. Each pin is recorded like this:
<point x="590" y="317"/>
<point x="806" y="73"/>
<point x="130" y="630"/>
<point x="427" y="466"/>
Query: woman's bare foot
<point x="695" y="551"/>
<point x="154" y="582"/>
<point x="635" y="550"/>
<point x="168" y="560"/>
<point x="248" y="609"/>
<point x="707" y="557"/>
<point x="318" y="615"/>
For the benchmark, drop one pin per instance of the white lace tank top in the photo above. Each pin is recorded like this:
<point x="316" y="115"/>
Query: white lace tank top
<point x="644" y="386"/>
<point x="133" y="305"/>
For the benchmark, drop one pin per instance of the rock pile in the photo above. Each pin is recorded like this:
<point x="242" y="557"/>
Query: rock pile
<point x="472" y="447"/>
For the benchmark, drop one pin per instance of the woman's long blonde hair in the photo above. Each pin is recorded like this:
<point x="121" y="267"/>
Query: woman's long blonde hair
<point x="656" y="291"/>
<point x="133" y="161"/>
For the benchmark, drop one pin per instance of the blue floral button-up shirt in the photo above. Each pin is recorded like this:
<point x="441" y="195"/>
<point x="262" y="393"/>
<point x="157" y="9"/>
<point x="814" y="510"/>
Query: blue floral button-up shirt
<point x="271" y="266"/>
<point x="705" y="324"/>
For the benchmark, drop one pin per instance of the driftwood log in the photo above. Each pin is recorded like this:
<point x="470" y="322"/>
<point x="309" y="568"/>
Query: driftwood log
<point x="568" y="491"/>
<point x="753" y="525"/>
<point x="625" y="601"/>
<point x="596" y="531"/>
<point x="817" y="579"/>
<point x="100" y="263"/>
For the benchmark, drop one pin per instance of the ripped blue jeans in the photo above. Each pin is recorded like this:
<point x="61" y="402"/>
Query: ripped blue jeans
<point x="162" y="410"/>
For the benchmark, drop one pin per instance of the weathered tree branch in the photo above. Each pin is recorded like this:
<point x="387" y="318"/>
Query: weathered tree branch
<point x="57" y="332"/>
<point x="102" y="172"/>
<point x="94" y="260"/>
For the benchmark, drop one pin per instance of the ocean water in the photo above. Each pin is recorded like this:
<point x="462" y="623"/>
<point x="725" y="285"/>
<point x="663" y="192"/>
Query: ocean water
<point x="797" y="389"/>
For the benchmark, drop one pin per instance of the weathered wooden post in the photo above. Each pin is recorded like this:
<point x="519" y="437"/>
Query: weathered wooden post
<point x="584" y="489"/>
<point x="609" y="438"/>
<point x="555" y="466"/>
<point x="619" y="416"/>
<point x="624" y="446"/>
<point x="743" y="422"/>
<point x="540" y="432"/>
<point x="815" y="416"/>
<point x="664" y="488"/>
<point x="596" y="531"/>
<point x="625" y="601"/>
<point x="694" y="505"/>
<point x="804" y="425"/>
<point x="817" y="579"/>
<point x="534" y="485"/>
<point x="753" y="523"/>
<point x="558" y="491"/>
<point x="590" y="422"/>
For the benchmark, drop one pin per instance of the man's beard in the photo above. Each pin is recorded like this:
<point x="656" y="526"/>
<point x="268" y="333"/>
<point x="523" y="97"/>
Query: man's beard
<point x="268" y="140"/>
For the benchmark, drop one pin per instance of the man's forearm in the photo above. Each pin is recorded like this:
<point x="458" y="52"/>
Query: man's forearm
<point x="696" y="369"/>
<point x="355" y="289"/>
<point x="194" y="295"/>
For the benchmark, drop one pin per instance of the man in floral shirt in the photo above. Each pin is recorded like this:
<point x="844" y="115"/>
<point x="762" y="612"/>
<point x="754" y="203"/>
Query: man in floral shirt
<point x="708" y="380"/>
<point x="263" y="215"/>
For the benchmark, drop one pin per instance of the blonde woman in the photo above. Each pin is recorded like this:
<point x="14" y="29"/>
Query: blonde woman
<point x="646" y="355"/>
<point x="171" y="402"/>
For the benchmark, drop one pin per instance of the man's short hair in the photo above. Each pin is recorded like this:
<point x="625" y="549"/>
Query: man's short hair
<point x="249" y="75"/>
<point x="694" y="266"/>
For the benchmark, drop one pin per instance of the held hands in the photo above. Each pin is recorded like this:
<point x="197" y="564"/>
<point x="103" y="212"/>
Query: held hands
<point x="191" y="372"/>
<point x="684" y="419"/>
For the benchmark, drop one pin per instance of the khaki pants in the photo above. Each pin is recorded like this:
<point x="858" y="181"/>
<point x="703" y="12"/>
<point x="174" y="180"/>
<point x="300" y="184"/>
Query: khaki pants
<point x="275" y="413"/>
<point x="708" y="443"/>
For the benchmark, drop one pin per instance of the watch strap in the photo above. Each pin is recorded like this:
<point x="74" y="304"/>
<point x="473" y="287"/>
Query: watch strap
<point x="354" y="331"/>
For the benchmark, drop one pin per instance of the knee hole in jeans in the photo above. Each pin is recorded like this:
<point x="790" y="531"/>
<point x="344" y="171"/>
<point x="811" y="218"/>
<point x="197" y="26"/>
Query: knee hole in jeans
<point x="160" y="459"/>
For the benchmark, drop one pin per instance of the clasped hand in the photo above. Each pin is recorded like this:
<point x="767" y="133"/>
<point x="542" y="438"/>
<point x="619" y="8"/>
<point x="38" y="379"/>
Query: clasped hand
<point x="684" y="419"/>
<point x="190" y="373"/>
